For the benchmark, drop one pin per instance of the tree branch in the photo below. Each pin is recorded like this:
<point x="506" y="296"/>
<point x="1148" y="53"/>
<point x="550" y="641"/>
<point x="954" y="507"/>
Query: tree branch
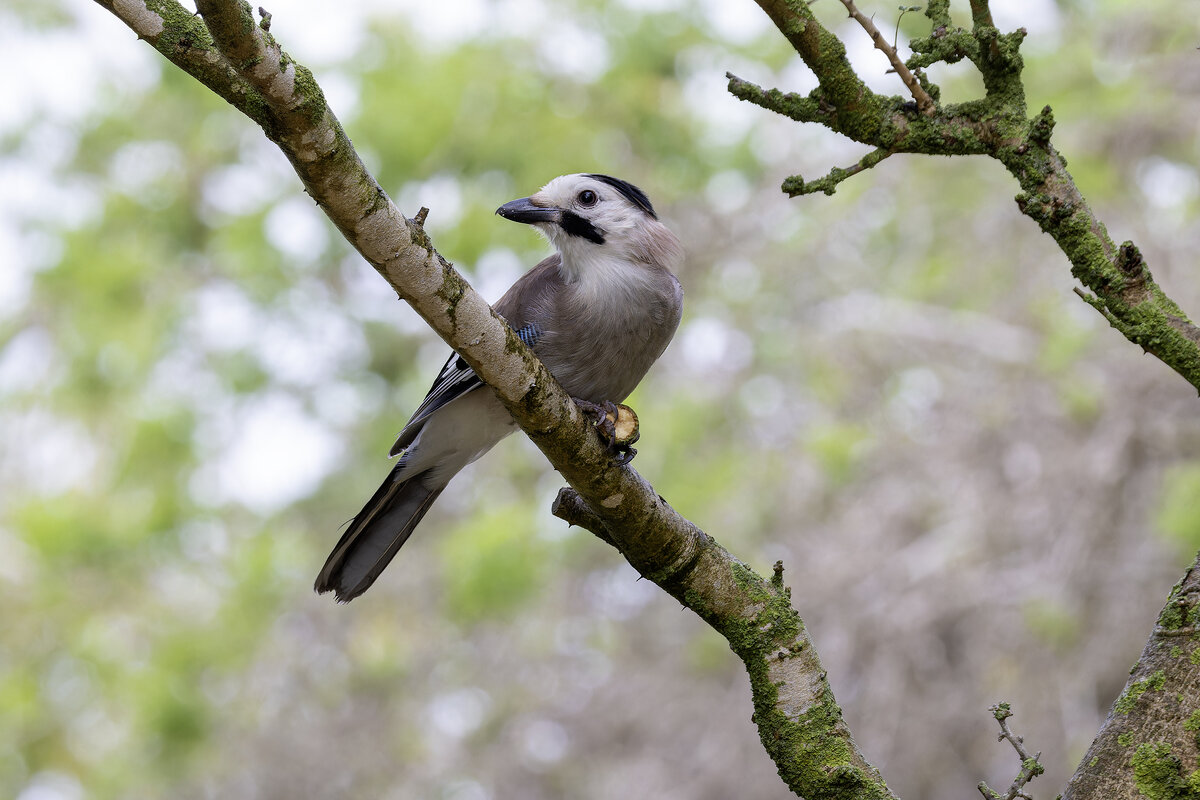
<point x="1153" y="728"/>
<point x="924" y="101"/>
<point x="796" y="185"/>
<point x="799" y="722"/>
<point x="996" y="125"/>
<point x="1122" y="289"/>
<point x="1030" y="766"/>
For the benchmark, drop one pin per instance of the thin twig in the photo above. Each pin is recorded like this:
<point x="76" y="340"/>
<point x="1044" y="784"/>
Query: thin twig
<point x="896" y="34"/>
<point x="924" y="101"/>
<point x="1031" y="767"/>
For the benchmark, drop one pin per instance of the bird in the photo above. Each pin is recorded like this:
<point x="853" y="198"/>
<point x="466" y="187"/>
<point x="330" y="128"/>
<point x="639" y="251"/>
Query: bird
<point x="598" y="313"/>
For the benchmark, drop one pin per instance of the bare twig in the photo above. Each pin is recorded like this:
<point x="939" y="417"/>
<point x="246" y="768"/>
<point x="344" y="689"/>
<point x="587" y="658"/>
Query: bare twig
<point x="924" y="101"/>
<point x="895" y="34"/>
<point x="1030" y="766"/>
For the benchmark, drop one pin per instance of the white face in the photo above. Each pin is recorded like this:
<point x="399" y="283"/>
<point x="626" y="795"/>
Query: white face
<point x="600" y="226"/>
<point x="595" y="213"/>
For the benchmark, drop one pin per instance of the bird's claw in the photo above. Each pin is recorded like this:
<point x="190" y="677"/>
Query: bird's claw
<point x="617" y="425"/>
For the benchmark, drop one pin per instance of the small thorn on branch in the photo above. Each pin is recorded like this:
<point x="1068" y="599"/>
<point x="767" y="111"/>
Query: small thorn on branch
<point x="421" y="216"/>
<point x="924" y="102"/>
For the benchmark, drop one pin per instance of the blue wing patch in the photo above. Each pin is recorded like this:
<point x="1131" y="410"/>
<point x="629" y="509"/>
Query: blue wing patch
<point x="530" y="334"/>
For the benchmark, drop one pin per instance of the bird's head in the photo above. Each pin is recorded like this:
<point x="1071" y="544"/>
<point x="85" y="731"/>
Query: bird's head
<point x="588" y="217"/>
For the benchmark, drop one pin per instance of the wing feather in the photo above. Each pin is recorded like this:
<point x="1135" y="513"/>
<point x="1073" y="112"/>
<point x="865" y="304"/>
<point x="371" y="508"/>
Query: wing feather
<point x="456" y="378"/>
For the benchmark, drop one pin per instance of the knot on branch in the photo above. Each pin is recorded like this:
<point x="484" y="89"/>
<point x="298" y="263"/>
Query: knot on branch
<point x="1129" y="260"/>
<point x="1133" y="269"/>
<point x="574" y="510"/>
<point x="1045" y="210"/>
<point x="1041" y="126"/>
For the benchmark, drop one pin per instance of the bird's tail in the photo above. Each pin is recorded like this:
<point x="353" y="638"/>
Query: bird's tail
<point x="375" y="535"/>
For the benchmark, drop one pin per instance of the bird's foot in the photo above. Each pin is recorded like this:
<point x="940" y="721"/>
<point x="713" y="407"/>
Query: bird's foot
<point x="617" y="425"/>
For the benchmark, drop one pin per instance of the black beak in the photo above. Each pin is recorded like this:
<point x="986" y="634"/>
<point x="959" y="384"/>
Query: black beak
<point x="524" y="210"/>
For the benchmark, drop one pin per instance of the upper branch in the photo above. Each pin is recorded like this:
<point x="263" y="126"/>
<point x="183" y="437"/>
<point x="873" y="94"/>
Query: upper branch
<point x="841" y="89"/>
<point x="184" y="40"/>
<point x="996" y="125"/>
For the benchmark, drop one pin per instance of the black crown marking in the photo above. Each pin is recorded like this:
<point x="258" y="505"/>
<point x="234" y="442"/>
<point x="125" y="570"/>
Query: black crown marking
<point x="630" y="192"/>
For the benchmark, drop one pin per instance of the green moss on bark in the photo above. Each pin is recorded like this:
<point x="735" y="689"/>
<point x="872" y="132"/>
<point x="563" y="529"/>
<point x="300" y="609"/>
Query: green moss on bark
<point x="1126" y="702"/>
<point x="1157" y="773"/>
<point x="814" y="752"/>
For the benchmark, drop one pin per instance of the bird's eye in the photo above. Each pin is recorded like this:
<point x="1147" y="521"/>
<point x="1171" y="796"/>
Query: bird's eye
<point x="587" y="198"/>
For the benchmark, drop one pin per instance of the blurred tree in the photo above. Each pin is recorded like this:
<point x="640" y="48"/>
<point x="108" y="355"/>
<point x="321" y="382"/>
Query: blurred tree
<point x="193" y="370"/>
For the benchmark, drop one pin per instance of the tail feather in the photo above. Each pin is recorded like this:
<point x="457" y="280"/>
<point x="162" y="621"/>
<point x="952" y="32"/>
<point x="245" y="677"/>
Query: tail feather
<point x="375" y="535"/>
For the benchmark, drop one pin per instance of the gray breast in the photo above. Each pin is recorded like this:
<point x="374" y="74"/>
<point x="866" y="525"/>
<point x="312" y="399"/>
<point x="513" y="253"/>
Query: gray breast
<point x="601" y="352"/>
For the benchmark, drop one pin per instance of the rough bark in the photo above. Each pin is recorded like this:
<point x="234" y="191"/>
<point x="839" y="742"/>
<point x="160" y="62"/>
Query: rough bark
<point x="1150" y="743"/>
<point x="799" y="722"/>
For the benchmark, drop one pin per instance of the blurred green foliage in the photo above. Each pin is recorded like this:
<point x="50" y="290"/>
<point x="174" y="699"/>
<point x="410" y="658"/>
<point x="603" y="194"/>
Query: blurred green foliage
<point x="1179" y="509"/>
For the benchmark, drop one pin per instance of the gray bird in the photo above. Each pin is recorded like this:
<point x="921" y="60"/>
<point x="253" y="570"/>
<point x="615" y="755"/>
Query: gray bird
<point x="598" y="313"/>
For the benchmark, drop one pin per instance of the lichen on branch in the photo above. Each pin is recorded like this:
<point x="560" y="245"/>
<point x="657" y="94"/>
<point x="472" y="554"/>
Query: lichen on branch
<point x="998" y="125"/>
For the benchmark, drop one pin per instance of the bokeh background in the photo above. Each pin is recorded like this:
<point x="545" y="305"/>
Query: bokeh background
<point x="980" y="491"/>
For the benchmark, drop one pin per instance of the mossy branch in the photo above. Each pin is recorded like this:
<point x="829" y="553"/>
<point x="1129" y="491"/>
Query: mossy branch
<point x="996" y="125"/>
<point x="1149" y="745"/>
<point x="796" y="185"/>
<point x="799" y="723"/>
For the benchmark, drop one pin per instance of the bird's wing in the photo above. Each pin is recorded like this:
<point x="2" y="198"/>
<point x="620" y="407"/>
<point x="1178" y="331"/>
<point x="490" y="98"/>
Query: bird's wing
<point x="456" y="377"/>
<point x="455" y="380"/>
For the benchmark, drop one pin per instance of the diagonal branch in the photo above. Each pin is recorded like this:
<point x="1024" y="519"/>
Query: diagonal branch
<point x="799" y="721"/>
<point x="924" y="101"/>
